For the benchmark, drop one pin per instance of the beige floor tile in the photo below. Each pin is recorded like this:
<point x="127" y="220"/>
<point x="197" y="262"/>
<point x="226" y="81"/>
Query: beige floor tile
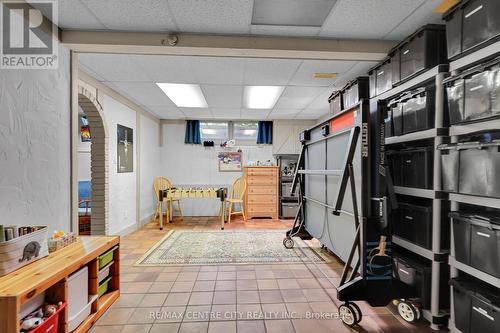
<point x="182" y="286"/>
<point x="246" y="284"/>
<point x="204" y="276"/>
<point x="187" y="276"/>
<point x="308" y="283"/>
<point x="222" y="327"/>
<point x="251" y="326"/>
<point x="116" y="316"/>
<point x="167" y="276"/>
<point x="204" y="286"/>
<point x="143" y="315"/>
<point x="106" y="329"/>
<point x="267" y="284"/>
<point x="293" y="295"/>
<point x="245" y="275"/>
<point x="174" y="299"/>
<point x="197" y="313"/>
<point x="171" y="314"/>
<point x="201" y="327"/>
<point x="226" y="275"/>
<point x="161" y="287"/>
<point x="274" y="311"/>
<point x="279" y="326"/>
<point x="223" y="312"/>
<point x="201" y="298"/>
<point x="249" y="312"/>
<point x="151" y="300"/>
<point x="264" y="274"/>
<point x="135" y="287"/>
<point x="225" y="285"/>
<point x="270" y="296"/>
<point x="247" y="296"/>
<point x="316" y="295"/>
<point x="224" y="297"/>
<point x="298" y="310"/>
<point x="128" y="301"/>
<point x="288" y="284"/>
<point x="165" y="328"/>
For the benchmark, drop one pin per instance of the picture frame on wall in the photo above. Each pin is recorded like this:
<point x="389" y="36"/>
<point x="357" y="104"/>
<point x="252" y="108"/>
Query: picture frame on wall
<point x="125" y="149"/>
<point x="230" y="161"/>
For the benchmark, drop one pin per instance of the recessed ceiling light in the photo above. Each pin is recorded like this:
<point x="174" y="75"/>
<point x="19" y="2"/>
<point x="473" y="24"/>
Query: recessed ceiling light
<point x="310" y="13"/>
<point x="262" y="97"/>
<point x="324" y="75"/>
<point x="184" y="95"/>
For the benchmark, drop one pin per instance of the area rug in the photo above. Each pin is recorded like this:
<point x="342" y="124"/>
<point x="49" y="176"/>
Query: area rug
<point x="180" y="247"/>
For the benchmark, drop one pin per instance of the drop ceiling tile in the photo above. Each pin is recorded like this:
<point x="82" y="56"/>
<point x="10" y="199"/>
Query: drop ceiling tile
<point x="145" y="93"/>
<point x="305" y="74"/>
<point x="162" y="68"/>
<point x="320" y="103"/>
<point x="212" y="16"/>
<point x="254" y="114"/>
<point x="72" y="15"/>
<point x="295" y="97"/>
<point x="132" y="15"/>
<point x="360" y="69"/>
<point x="270" y="71"/>
<point x="291" y="12"/>
<point x="165" y="112"/>
<point x="278" y="30"/>
<point x="311" y="114"/>
<point x="213" y="70"/>
<point x="423" y="15"/>
<point x="225" y="113"/>
<point x="113" y="67"/>
<point x="284" y="113"/>
<point x="197" y="113"/>
<point x="366" y="19"/>
<point x="223" y="96"/>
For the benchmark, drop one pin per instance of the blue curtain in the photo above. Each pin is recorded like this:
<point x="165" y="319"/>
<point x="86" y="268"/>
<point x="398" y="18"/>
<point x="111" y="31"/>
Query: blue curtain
<point x="193" y="135"/>
<point x="265" y="133"/>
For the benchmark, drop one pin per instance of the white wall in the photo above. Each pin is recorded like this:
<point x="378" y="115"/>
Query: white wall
<point x="150" y="165"/>
<point x="35" y="177"/>
<point x="197" y="165"/>
<point x="122" y="186"/>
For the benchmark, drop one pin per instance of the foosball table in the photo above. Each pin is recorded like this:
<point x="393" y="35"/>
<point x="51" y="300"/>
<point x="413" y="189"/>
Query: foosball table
<point x="175" y="193"/>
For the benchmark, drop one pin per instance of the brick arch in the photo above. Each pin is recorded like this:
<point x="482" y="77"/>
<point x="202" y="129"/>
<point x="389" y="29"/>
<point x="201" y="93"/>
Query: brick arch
<point x="98" y="160"/>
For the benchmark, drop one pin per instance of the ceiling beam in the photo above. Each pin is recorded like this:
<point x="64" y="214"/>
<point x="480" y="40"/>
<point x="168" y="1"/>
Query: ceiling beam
<point x="227" y="45"/>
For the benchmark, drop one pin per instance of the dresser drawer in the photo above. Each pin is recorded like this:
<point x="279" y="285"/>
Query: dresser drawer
<point x="262" y="172"/>
<point x="259" y="180"/>
<point x="262" y="198"/>
<point x="264" y="189"/>
<point x="259" y="209"/>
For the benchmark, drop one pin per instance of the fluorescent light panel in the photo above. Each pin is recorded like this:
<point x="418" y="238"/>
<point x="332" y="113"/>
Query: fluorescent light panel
<point x="184" y="95"/>
<point x="262" y="97"/>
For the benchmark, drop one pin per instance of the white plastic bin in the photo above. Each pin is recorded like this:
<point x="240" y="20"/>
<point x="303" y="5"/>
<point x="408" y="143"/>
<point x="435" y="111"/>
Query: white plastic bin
<point x="104" y="273"/>
<point x="75" y="320"/>
<point x="78" y="293"/>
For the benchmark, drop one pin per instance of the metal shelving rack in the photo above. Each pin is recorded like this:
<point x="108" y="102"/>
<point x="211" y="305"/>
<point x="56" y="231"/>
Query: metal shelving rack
<point x="435" y="315"/>
<point x="456" y="199"/>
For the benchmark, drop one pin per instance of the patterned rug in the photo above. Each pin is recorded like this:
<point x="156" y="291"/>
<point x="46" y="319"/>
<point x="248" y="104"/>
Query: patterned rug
<point x="227" y="247"/>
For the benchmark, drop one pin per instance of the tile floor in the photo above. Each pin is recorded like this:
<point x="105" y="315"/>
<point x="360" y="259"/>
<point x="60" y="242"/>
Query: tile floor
<point x="269" y="298"/>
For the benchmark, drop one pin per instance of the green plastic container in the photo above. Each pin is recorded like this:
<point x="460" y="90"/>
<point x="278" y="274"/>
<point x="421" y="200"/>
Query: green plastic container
<point x="104" y="286"/>
<point x="106" y="258"/>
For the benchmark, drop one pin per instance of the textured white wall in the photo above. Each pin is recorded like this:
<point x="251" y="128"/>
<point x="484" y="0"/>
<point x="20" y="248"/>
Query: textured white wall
<point x="286" y="135"/>
<point x="195" y="164"/>
<point x="122" y="186"/>
<point x="150" y="164"/>
<point x="35" y="146"/>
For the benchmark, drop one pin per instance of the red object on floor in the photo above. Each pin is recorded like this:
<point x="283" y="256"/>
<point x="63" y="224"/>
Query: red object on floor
<point x="51" y="324"/>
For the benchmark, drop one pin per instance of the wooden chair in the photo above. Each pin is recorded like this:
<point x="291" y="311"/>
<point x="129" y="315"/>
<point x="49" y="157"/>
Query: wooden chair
<point x="236" y="198"/>
<point x="163" y="183"/>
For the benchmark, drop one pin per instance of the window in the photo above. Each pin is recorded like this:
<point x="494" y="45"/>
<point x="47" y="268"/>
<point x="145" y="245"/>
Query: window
<point x="214" y="130"/>
<point x="245" y="131"/>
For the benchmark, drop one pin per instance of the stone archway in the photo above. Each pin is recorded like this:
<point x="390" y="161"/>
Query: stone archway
<point x="98" y="161"/>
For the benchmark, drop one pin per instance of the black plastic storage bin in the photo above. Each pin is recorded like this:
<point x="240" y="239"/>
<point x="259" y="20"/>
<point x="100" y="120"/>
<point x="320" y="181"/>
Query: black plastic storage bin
<point x="381" y="77"/>
<point x="449" y="167"/>
<point x="396" y="108"/>
<point x="422" y="50"/>
<point x="335" y="101"/>
<point x="394" y="161"/>
<point x="476" y="305"/>
<point x="479" y="167"/>
<point x="418" y="110"/>
<point x="417" y="164"/>
<point x="475" y="93"/>
<point x="417" y="273"/>
<point x="355" y="90"/>
<point x="477" y="241"/>
<point x="471" y="24"/>
<point x="414" y="224"/>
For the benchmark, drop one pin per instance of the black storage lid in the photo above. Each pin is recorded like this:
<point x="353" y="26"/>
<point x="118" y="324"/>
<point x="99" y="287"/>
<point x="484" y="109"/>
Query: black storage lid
<point x="451" y="11"/>
<point x="420" y="31"/>
<point x="358" y="80"/>
<point x="487" y="65"/>
<point x="384" y="61"/>
<point x="478" y="290"/>
<point x="334" y="94"/>
<point x="488" y="220"/>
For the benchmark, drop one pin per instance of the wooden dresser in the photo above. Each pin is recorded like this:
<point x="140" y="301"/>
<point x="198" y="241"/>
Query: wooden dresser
<point x="261" y="198"/>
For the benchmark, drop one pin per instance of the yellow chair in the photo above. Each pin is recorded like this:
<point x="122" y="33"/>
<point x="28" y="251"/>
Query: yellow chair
<point x="236" y="198"/>
<point x="163" y="183"/>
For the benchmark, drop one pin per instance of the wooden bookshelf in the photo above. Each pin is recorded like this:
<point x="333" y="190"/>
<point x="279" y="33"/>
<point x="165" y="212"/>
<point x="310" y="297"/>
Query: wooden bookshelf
<point x="50" y="275"/>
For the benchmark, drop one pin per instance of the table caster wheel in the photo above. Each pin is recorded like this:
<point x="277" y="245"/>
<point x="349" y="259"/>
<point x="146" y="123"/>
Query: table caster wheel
<point x="288" y="243"/>
<point x="408" y="311"/>
<point x="350" y="314"/>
